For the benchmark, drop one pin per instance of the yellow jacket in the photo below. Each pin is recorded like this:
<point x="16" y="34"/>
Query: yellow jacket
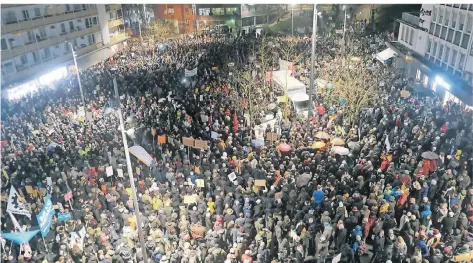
<point x="211" y="205"/>
<point x="157" y="203"/>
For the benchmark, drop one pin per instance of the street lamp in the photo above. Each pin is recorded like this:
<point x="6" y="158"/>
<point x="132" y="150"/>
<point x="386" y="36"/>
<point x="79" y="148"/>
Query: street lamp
<point x="77" y="73"/>
<point x="312" y="62"/>
<point x="344" y="23"/>
<point x="292" y="19"/>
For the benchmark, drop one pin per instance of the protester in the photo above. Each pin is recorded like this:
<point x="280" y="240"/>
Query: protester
<point x="404" y="188"/>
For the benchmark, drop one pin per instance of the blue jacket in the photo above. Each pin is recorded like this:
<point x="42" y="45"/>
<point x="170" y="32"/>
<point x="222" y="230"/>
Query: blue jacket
<point x="318" y="196"/>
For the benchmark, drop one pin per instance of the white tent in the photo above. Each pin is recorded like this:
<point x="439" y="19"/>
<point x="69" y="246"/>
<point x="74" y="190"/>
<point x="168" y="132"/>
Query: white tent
<point x="140" y="153"/>
<point x="385" y="55"/>
<point x="283" y="77"/>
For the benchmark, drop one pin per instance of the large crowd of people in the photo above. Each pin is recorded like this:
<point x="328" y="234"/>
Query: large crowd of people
<point x="402" y="192"/>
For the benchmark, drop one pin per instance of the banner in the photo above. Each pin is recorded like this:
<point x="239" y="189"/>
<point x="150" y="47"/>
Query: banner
<point x="140" y="153"/>
<point x="20" y="238"/>
<point x="190" y="73"/>
<point x="15" y="204"/>
<point x="45" y="217"/>
<point x="200" y="144"/>
<point x="188" y="141"/>
<point x="285" y="65"/>
<point x="388" y="145"/>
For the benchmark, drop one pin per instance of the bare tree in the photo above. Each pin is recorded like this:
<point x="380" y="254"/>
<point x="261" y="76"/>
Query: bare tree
<point x="159" y="31"/>
<point x="265" y="58"/>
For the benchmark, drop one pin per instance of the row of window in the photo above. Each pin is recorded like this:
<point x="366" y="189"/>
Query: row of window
<point x="443" y="53"/>
<point x="43" y="55"/>
<point x="115" y="14"/>
<point x="407" y="34"/>
<point x="461" y="6"/>
<point x="453" y="19"/>
<point x="38" y="11"/>
<point x="19" y="39"/>
<point x="451" y="35"/>
<point x="219" y="11"/>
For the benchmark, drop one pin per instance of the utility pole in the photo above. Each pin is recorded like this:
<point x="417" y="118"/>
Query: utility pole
<point x="130" y="175"/>
<point x="77" y="74"/>
<point x="312" y="65"/>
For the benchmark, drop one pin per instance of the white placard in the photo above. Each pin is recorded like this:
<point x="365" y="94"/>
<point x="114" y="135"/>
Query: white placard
<point x="120" y="172"/>
<point x="214" y="135"/>
<point x="109" y="171"/>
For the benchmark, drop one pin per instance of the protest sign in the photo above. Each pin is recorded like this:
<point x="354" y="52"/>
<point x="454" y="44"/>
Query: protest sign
<point x="188" y="141"/>
<point x="162" y="139"/>
<point x="64" y="216"/>
<point x="405" y="94"/>
<point x="68" y="196"/>
<point x="29" y="189"/>
<point x="16" y="205"/>
<point x="278" y="195"/>
<point x="120" y="172"/>
<point x="109" y="171"/>
<point x="138" y="170"/>
<point x="232" y="176"/>
<point x="260" y="182"/>
<point x="189" y="199"/>
<point x="200" y="144"/>
<point x="271" y="136"/>
<point x="214" y="135"/>
<point x="190" y="73"/>
<point x="200" y="183"/>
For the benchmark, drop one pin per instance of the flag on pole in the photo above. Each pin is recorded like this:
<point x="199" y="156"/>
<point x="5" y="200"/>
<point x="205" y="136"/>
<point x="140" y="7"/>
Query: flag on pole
<point x="388" y="145"/>
<point x="15" y="204"/>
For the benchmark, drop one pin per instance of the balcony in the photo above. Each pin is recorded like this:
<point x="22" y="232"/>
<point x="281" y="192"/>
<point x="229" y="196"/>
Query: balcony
<point x="115" y="22"/>
<point x="117" y="37"/>
<point x="411" y="18"/>
<point x="12" y="26"/>
<point x="8" y="54"/>
<point x="34" y="71"/>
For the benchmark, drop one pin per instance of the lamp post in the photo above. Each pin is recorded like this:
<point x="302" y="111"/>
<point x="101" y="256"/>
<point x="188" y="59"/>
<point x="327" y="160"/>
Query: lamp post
<point x="77" y="74"/>
<point x="312" y="64"/>
<point x="292" y="19"/>
<point x="130" y="175"/>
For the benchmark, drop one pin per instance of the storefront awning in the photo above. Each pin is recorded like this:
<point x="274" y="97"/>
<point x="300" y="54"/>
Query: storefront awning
<point x="385" y="55"/>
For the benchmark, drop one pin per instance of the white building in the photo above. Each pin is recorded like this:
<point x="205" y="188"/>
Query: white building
<point x="434" y="46"/>
<point x="35" y="37"/>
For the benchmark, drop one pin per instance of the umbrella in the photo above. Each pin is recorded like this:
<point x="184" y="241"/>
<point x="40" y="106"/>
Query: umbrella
<point x="271" y="106"/>
<point x="354" y="145"/>
<point x="322" y="135"/>
<point x="337" y="141"/>
<point x="340" y="150"/>
<point x="318" y="145"/>
<point x="430" y="155"/>
<point x="302" y="180"/>
<point x="284" y="147"/>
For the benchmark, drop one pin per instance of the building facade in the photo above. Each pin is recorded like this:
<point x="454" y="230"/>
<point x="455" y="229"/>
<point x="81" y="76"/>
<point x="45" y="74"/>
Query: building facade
<point x="135" y="14"/>
<point x="258" y="15"/>
<point x="196" y="18"/>
<point x="35" y="38"/>
<point x="436" y="49"/>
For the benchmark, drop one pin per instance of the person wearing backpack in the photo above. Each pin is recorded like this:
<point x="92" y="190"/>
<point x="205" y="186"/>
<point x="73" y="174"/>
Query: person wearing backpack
<point x="359" y="248"/>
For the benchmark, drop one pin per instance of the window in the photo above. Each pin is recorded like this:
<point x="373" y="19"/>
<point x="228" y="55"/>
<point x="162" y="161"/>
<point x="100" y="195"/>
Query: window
<point x="469" y="23"/>
<point x="450" y="35"/>
<point x="67" y="47"/>
<point x="434" y="14"/>
<point x="71" y="26"/>
<point x="47" y="53"/>
<point x="411" y="37"/>
<point x="10" y="17"/>
<point x="4" y="44"/>
<point x="454" y="19"/>
<point x="8" y="68"/>
<point x="94" y="20"/>
<point x="465" y="40"/>
<point x="440" y="19"/>
<point x="447" y="52"/>
<point x="434" y="51"/>
<point x="431" y="30"/>
<point x="429" y="45"/>
<point x="204" y="11"/>
<point x="461" y="21"/>
<point x="471" y="49"/>
<point x="440" y="52"/>
<point x="37" y="12"/>
<point x="36" y="57"/>
<point x="119" y="13"/>
<point x="218" y="11"/>
<point x="456" y="40"/>
<point x="26" y="15"/>
<point x="82" y="37"/>
<point x="111" y="16"/>
<point x="42" y="32"/>
<point x="426" y="80"/>
<point x="444" y="33"/>
<point x="91" y="39"/>
<point x="405" y="33"/>
<point x="30" y="35"/>
<point x="232" y="11"/>
<point x="401" y="31"/>
<point x="462" y="61"/>
<point x="68" y="8"/>
<point x="418" y="75"/>
<point x="23" y="60"/>
<point x="437" y="30"/>
<point x="63" y="28"/>
<point x="170" y="10"/>
<point x="447" y="18"/>
<point x="454" y="58"/>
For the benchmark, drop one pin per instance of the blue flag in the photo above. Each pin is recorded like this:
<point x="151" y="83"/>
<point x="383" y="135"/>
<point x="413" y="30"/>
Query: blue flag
<point x="45" y="217"/>
<point x="20" y="237"/>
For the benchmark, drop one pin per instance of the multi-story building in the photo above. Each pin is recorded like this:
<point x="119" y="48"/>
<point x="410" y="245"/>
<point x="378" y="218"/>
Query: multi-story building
<point x="137" y="13"/>
<point x="35" y="38"/>
<point x="253" y="16"/>
<point x="435" y="48"/>
<point x="194" y="18"/>
<point x="180" y="15"/>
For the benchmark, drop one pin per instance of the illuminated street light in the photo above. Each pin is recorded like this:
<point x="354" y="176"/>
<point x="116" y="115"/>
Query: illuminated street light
<point x="440" y="81"/>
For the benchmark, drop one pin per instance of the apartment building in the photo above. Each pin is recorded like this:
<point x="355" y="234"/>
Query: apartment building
<point x="196" y="18"/>
<point x="35" y="38"/>
<point x="253" y="16"/>
<point x="435" y="48"/>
